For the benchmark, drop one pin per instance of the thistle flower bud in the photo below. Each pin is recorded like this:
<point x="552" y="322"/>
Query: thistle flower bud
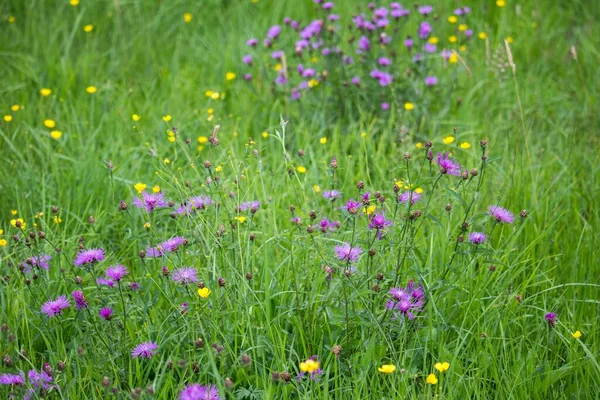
<point x="376" y="288"/>
<point x="360" y="185"/>
<point x="312" y="214"/>
<point x="165" y="271"/>
<point x="245" y="360"/>
<point x="379" y="276"/>
<point x="188" y="141"/>
<point x="292" y="208"/>
<point x="465" y="174"/>
<point x="396" y="188"/>
<point x="106" y="381"/>
<point x="142" y="253"/>
<point x="336" y="350"/>
<point x="381" y="199"/>
<point x="109" y="165"/>
<point x="460" y="239"/>
<point x="334" y="163"/>
<point x="523" y="214"/>
<point x="61" y="366"/>
<point x="122" y="206"/>
<point x="300" y="153"/>
<point x="428" y="144"/>
<point x="91" y="220"/>
<point x="448" y="207"/>
<point x="348" y="273"/>
<point x="7" y="361"/>
<point x="492" y="268"/>
<point x="170" y="364"/>
<point x="228" y="383"/>
<point x="207" y="164"/>
<point x="407" y="156"/>
<point x="310" y="229"/>
<point x="252" y="237"/>
<point x="429" y="155"/>
<point x="54" y="210"/>
<point x="372" y="252"/>
<point x="221" y="282"/>
<point x="464" y="226"/>
<point x="199" y="343"/>
<point x="519" y="298"/>
<point x="285" y="377"/>
<point x="248" y="276"/>
<point x="483" y="143"/>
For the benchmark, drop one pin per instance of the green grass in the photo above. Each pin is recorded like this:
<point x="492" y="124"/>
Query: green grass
<point x="541" y="126"/>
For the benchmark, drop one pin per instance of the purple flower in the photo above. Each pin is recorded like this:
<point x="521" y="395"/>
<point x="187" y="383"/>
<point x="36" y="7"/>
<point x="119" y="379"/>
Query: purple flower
<point x="413" y="196"/>
<point x="105" y="282"/>
<point x="134" y="286"/>
<point x="116" y="272"/>
<point x="185" y="275"/>
<point x="328" y="5"/>
<point x="477" y="237"/>
<point x="89" y="256"/>
<point x="431" y="80"/>
<point x="145" y="349"/>
<point x="384" y="61"/>
<point x="173" y="244"/>
<point x="446" y="54"/>
<point x="326" y="225"/>
<point x="385" y="106"/>
<point x="425" y="10"/>
<point x="363" y="45"/>
<point x="248" y="77"/>
<point x="551" y="319"/>
<point x="379" y="222"/>
<point x="106" y="313"/>
<point x="267" y="42"/>
<point x="277" y="54"/>
<point x="407" y="301"/>
<point x="54" y="307"/>
<point x="296" y="94"/>
<point x="424" y="30"/>
<point x="273" y="31"/>
<point x="395" y="6"/>
<point x="333" y="17"/>
<point x="408" y="42"/>
<point x="150" y="201"/>
<point x="193" y="204"/>
<point x="247" y="59"/>
<point x="352" y="206"/>
<point x="462" y="11"/>
<point x="356" y="81"/>
<point x="469" y="33"/>
<point x="41" y="261"/>
<point x="448" y="166"/>
<point x="331" y="195"/>
<point x="296" y="220"/>
<point x="252" y="42"/>
<point x="80" y="300"/>
<point x="253" y="206"/>
<point x="347" y="253"/>
<point x="501" y="215"/>
<point x="39" y="381"/>
<point x="12" y="379"/>
<point x="429" y="47"/>
<point x="308" y="73"/>
<point x="347" y="60"/>
<point x="196" y="391"/>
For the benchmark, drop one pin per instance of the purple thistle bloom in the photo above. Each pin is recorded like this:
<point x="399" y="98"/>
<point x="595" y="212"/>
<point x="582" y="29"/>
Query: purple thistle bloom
<point x="308" y="73"/>
<point x="331" y="195"/>
<point x="185" y="275"/>
<point x="424" y="30"/>
<point x="469" y="33"/>
<point x="408" y="42"/>
<point x="356" y="81"/>
<point x="446" y="54"/>
<point x="328" y="5"/>
<point x="196" y="391"/>
<point x="551" y="319"/>
<point x="347" y="253"/>
<point x="395" y="6"/>
<point x="54" y="307"/>
<point x="172" y="245"/>
<point x="429" y="48"/>
<point x="267" y="42"/>
<point x="333" y="17"/>
<point x="89" y="256"/>
<point x="41" y="261"/>
<point x="425" y="10"/>
<point x="247" y="59"/>
<point x="145" y="349"/>
<point x="477" y="237"/>
<point x="407" y="301"/>
<point x="248" y="77"/>
<point x="296" y="220"/>
<point x="277" y="54"/>
<point x="134" y="286"/>
<point x="253" y="206"/>
<point x="431" y="80"/>
<point x="252" y="42"/>
<point x="379" y="222"/>
<point x="385" y="106"/>
<point x="12" y="379"/>
<point x="39" y="381"/>
<point x="326" y="225"/>
<point x="106" y="313"/>
<point x="501" y="215"/>
<point x="150" y="201"/>
<point x="80" y="300"/>
<point x="363" y="45"/>
<point x="105" y="282"/>
<point x="273" y="31"/>
<point x="352" y="206"/>
<point x="116" y="272"/>
<point x="384" y="61"/>
<point x="448" y="166"/>
<point x="193" y="204"/>
<point x="413" y="196"/>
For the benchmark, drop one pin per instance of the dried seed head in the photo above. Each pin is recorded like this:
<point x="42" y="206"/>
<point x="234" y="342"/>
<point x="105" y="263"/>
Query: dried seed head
<point x="360" y="185"/>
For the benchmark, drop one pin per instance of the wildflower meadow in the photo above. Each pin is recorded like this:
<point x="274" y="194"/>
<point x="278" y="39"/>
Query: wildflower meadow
<point x="307" y="199"/>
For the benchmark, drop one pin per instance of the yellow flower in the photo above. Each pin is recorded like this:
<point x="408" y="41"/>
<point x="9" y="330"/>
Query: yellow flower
<point x="211" y="111"/>
<point x="136" y="117"/>
<point x="312" y="83"/>
<point x="49" y="123"/>
<point x="431" y="379"/>
<point x="88" y="28"/>
<point x="8" y="118"/>
<point x="309" y="366"/>
<point x="419" y="190"/>
<point x="172" y="139"/>
<point x="55" y="135"/>
<point x="204" y="292"/>
<point x="369" y="210"/>
<point x="13" y="212"/>
<point x="277" y="67"/>
<point x="74" y="3"/>
<point x="1" y="231"/>
<point x="45" y="92"/>
<point x="301" y="169"/>
<point x="219" y="168"/>
<point x="363" y="134"/>
<point x="323" y="140"/>
<point x="453" y="39"/>
<point x="13" y="223"/>
<point x="155" y="188"/>
<point x="265" y="135"/>
<point x="91" y="89"/>
<point x="314" y="59"/>
<point x="482" y="35"/>
<point x="241" y="219"/>
<point x="465" y="145"/>
<point x="448" y="139"/>
<point x="433" y="40"/>
<point x="147" y="225"/>
<point x="202" y="139"/>
<point x="57" y="219"/>
<point x="462" y="27"/>
<point x="408" y="106"/>
<point x="3" y="242"/>
<point x="210" y="117"/>
<point x="11" y="19"/>
<point x="419" y="145"/>
<point x="576" y="334"/>
<point x="452" y="19"/>
<point x="316" y="188"/>
<point x="215" y="96"/>
<point x="509" y="39"/>
<point x="463" y="47"/>
<point x="187" y="17"/>
<point x="170" y="133"/>
<point x="166" y="161"/>
<point x="15" y="107"/>
<point x="453" y="58"/>
<point x="442" y="367"/>
<point x="208" y="93"/>
<point x="387" y="368"/>
<point x="230" y="76"/>
<point x="167" y="118"/>
<point x="500" y="3"/>
<point x="139" y="187"/>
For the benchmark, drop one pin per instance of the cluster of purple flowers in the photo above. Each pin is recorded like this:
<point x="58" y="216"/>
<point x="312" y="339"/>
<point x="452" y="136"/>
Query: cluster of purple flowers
<point x="196" y="391"/>
<point x="370" y="51"/>
<point x="194" y="204"/>
<point x="40" y="261"/>
<point x="150" y="201"/>
<point x="168" y="246"/>
<point x="406" y="302"/>
<point x="113" y="274"/>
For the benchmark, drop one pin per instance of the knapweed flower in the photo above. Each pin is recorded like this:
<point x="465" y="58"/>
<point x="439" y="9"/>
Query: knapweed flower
<point x="326" y="225"/>
<point x="331" y="195"/>
<point x="41" y="261"/>
<point x="387" y="368"/>
<point x="193" y="204"/>
<point x="185" y="275"/>
<point x="196" y="391"/>
<point x="204" y="292"/>
<point x="311" y="367"/>
<point x="116" y="272"/>
<point x="253" y="206"/>
<point x="150" y="201"/>
<point x="407" y="301"/>
<point x="106" y="313"/>
<point x="12" y="379"/>
<point x="54" y="307"/>
<point x="412" y="195"/>
<point x="89" y="256"/>
<point x="168" y="246"/>
<point x="105" y="282"/>
<point x="379" y="222"/>
<point x="501" y="215"/>
<point x="273" y="32"/>
<point x="80" y="300"/>
<point x="477" y="237"/>
<point x="431" y="80"/>
<point x="448" y="166"/>
<point x="347" y="253"/>
<point x="145" y="349"/>
<point x="431" y="379"/>
<point x="442" y="366"/>
<point x="551" y="319"/>
<point x="352" y="206"/>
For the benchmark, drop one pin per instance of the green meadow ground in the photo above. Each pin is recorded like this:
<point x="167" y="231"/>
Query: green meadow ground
<point x="542" y="127"/>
